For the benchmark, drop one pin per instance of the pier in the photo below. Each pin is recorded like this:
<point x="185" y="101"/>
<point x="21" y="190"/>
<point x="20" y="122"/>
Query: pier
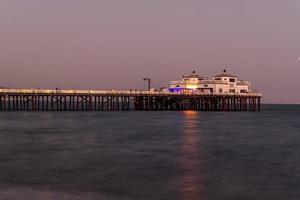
<point x="96" y="100"/>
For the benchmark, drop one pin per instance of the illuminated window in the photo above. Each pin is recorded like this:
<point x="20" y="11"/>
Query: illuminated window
<point x="191" y="86"/>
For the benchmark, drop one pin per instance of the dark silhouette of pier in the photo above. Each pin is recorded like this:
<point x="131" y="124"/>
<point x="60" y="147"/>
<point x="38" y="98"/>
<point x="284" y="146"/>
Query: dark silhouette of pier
<point x="84" y="100"/>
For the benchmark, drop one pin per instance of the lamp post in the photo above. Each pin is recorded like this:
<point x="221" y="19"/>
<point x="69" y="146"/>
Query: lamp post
<point x="149" y="82"/>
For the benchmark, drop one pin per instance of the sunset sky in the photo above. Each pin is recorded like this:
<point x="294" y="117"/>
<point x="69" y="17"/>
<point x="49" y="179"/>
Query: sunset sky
<point x="113" y="44"/>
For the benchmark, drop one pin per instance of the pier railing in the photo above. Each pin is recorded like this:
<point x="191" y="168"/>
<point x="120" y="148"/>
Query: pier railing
<point x="120" y="92"/>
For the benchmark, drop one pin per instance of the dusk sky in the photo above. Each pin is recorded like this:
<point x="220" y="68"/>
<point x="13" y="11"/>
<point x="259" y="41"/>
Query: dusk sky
<point x="110" y="44"/>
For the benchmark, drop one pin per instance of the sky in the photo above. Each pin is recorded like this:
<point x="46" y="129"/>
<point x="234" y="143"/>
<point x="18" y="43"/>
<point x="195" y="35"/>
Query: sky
<point x="113" y="44"/>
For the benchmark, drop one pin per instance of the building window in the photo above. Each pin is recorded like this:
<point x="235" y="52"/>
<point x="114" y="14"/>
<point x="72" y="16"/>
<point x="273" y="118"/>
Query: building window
<point x="220" y="90"/>
<point x="217" y="79"/>
<point x="231" y="90"/>
<point x="243" y="91"/>
<point x="232" y="80"/>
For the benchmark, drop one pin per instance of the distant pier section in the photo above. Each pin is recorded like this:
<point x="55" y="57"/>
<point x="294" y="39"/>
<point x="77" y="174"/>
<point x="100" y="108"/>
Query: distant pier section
<point x="223" y="93"/>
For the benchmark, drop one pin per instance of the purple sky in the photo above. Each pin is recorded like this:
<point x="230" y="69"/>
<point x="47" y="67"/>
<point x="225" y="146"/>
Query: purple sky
<point x="109" y="44"/>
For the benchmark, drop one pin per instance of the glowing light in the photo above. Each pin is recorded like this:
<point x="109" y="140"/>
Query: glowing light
<point x="175" y="89"/>
<point x="191" y="86"/>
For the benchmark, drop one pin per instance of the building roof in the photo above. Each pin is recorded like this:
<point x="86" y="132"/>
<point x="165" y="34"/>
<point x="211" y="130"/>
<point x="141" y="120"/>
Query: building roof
<point x="225" y="74"/>
<point x="193" y="75"/>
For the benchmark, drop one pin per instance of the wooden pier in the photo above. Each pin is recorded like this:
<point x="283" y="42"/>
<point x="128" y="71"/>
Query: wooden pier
<point x="77" y="100"/>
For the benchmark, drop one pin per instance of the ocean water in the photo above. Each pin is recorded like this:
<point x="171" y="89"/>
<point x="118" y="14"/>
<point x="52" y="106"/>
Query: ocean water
<point x="177" y="155"/>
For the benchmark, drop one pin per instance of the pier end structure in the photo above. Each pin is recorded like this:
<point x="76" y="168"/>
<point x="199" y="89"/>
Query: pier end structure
<point x="222" y="84"/>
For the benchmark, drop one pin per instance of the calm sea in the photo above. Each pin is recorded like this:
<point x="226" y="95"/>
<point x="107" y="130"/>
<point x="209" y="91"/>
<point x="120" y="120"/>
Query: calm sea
<point x="151" y="155"/>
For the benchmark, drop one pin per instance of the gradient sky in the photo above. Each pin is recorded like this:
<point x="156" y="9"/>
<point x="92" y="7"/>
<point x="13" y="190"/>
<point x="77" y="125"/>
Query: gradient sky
<point x="110" y="44"/>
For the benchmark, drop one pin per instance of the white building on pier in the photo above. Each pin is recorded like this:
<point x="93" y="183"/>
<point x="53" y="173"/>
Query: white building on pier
<point x="224" y="83"/>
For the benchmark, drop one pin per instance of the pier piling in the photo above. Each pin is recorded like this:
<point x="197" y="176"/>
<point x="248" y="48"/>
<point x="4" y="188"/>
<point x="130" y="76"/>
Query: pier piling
<point x="81" y="101"/>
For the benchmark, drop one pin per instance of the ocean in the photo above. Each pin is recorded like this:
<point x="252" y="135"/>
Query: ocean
<point x="151" y="155"/>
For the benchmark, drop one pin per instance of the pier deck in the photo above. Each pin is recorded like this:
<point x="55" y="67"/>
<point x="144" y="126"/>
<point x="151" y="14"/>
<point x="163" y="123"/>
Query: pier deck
<point x="98" y="100"/>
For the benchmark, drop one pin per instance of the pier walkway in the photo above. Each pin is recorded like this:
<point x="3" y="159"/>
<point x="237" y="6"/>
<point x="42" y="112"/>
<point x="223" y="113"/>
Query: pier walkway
<point x="103" y="100"/>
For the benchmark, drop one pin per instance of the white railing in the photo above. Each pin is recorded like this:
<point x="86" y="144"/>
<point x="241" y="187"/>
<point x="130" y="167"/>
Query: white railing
<point x="243" y="83"/>
<point x="212" y="82"/>
<point x="197" y="82"/>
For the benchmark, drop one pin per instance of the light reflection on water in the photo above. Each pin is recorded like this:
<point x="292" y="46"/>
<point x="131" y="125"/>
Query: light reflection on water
<point x="190" y="160"/>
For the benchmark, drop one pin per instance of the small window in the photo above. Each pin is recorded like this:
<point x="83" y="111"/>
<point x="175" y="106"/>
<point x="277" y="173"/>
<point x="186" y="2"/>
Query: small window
<point x="217" y="79"/>
<point x="220" y="90"/>
<point x="243" y="91"/>
<point x="232" y="80"/>
<point x="231" y="90"/>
